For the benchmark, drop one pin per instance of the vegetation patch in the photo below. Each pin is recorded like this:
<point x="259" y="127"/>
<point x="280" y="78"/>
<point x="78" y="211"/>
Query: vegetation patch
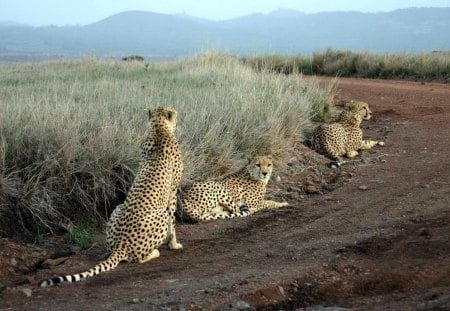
<point x="70" y="130"/>
<point x="425" y="66"/>
<point x="82" y="233"/>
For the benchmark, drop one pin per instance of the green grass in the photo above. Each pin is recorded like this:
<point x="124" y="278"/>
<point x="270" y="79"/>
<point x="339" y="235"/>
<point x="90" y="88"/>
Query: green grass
<point x="426" y="66"/>
<point x="40" y="236"/>
<point x="82" y="233"/>
<point x="70" y="130"/>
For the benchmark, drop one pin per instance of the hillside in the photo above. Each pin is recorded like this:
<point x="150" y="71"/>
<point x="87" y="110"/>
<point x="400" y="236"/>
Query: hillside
<point x="161" y="36"/>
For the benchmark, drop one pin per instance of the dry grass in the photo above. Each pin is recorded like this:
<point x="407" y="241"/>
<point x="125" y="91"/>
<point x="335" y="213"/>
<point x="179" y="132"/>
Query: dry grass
<point x="426" y="66"/>
<point x="70" y="130"/>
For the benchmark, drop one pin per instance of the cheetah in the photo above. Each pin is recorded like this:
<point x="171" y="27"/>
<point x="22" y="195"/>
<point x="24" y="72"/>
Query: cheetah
<point x="146" y="219"/>
<point x="341" y="138"/>
<point x="237" y="195"/>
<point x="359" y="107"/>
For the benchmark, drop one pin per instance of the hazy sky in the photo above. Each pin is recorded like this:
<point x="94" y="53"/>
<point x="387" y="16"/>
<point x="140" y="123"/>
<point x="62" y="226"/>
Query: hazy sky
<point x="63" y="12"/>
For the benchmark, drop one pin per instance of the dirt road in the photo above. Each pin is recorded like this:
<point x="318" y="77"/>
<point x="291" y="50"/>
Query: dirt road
<point x="379" y="241"/>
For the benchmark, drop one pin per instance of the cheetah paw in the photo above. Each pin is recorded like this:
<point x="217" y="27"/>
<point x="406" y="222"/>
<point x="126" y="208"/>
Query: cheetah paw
<point x="175" y="245"/>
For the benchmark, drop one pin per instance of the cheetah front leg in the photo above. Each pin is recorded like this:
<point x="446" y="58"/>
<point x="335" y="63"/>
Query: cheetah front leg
<point x="227" y="202"/>
<point x="172" y="208"/>
<point x="212" y="215"/>
<point x="272" y="204"/>
<point x="367" y="144"/>
<point x="266" y="204"/>
<point x="222" y="214"/>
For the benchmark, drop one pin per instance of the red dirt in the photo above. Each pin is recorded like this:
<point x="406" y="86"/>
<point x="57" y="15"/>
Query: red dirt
<point x="379" y="241"/>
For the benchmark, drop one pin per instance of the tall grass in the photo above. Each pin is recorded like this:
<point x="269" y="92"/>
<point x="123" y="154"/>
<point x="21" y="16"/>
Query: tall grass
<point x="70" y="130"/>
<point x="426" y="66"/>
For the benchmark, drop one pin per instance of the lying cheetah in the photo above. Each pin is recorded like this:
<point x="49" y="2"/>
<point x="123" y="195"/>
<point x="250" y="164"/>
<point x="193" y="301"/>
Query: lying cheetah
<point x="341" y="138"/>
<point x="237" y="195"/>
<point x="359" y="107"/>
<point x="146" y="219"/>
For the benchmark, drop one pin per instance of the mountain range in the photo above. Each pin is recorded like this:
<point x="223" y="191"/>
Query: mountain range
<point x="286" y="32"/>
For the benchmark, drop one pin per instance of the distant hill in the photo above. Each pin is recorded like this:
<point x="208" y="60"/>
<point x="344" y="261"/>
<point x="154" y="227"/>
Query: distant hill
<point x="161" y="36"/>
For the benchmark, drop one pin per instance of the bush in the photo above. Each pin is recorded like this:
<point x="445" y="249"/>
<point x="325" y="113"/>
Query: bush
<point x="70" y="130"/>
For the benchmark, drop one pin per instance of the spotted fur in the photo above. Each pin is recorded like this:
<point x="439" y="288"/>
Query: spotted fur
<point x="145" y="220"/>
<point x="237" y="195"/>
<point x="343" y="138"/>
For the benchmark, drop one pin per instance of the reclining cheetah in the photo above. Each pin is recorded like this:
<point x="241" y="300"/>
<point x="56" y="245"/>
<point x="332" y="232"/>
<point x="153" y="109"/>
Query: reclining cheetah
<point x="237" y="195"/>
<point x="359" y="107"/>
<point x="146" y="219"/>
<point x="341" y="138"/>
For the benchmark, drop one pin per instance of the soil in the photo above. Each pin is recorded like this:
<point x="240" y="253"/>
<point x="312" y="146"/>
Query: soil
<point x="371" y="235"/>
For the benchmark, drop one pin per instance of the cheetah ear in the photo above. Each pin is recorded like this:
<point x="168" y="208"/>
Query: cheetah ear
<point x="269" y="157"/>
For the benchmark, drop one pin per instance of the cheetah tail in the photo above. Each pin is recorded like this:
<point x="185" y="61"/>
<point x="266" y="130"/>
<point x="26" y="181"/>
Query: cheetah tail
<point x="106" y="265"/>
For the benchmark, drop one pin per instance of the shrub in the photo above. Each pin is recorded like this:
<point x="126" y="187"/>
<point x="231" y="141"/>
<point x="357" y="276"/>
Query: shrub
<point x="70" y="130"/>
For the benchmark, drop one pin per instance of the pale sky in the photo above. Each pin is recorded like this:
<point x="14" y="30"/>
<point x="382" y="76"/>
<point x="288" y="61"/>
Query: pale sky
<point x="71" y="12"/>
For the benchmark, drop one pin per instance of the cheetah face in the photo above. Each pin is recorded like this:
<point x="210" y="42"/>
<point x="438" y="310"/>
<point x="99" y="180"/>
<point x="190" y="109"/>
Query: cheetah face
<point x="260" y="168"/>
<point x="361" y="108"/>
<point x="165" y="117"/>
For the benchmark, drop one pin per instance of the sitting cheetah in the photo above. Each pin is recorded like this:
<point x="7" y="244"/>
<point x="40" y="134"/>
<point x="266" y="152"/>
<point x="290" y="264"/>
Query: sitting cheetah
<point x="359" y="107"/>
<point x="341" y="138"/>
<point x="237" y="195"/>
<point x="146" y="219"/>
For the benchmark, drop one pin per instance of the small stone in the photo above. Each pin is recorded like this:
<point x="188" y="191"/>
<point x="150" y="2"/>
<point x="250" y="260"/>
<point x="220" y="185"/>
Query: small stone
<point x="426" y="186"/>
<point x="13" y="261"/>
<point x="135" y="300"/>
<point x="293" y="189"/>
<point x="278" y="179"/>
<point x="281" y="289"/>
<point x="240" y="305"/>
<point x="377" y="181"/>
<point x="53" y="262"/>
<point x="26" y="291"/>
<point x="311" y="189"/>
<point x="363" y="187"/>
<point x="322" y="308"/>
<point x="74" y="248"/>
<point x="423" y="232"/>
<point x="293" y="196"/>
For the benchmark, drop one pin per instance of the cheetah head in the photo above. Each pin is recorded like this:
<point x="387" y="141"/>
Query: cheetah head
<point x="163" y="117"/>
<point x="361" y="108"/>
<point x="260" y="168"/>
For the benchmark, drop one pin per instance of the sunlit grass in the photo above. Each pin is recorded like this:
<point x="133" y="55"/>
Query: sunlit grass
<point x="425" y="66"/>
<point x="70" y="130"/>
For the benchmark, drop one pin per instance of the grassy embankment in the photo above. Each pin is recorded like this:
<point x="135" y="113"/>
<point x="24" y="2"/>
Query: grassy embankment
<point x="70" y="130"/>
<point x="423" y="67"/>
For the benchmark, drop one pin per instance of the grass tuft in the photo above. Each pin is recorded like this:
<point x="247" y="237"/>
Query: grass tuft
<point x="425" y="66"/>
<point x="70" y="130"/>
<point x="82" y="233"/>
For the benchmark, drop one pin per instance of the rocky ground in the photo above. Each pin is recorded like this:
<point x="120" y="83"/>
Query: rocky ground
<point x="371" y="235"/>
